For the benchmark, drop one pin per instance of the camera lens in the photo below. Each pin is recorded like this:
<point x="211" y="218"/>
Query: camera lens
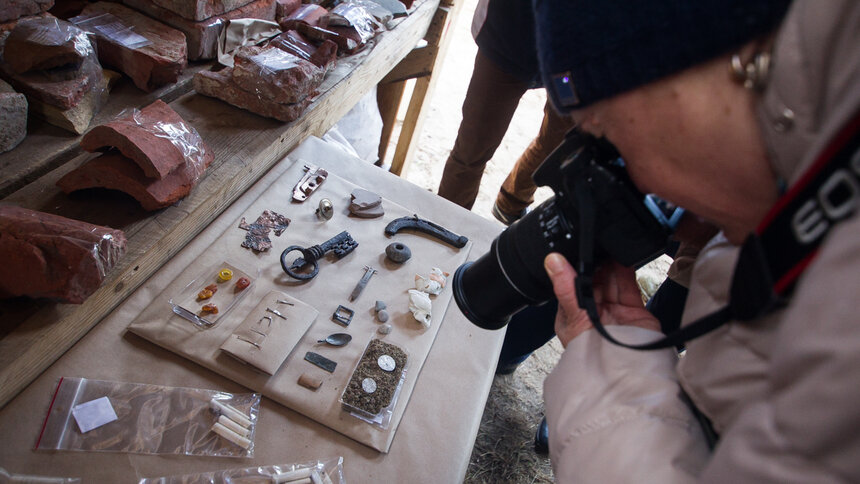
<point x="511" y="276"/>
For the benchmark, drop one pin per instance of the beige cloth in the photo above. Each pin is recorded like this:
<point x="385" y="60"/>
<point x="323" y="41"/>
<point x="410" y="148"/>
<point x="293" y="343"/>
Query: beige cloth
<point x="434" y="437"/>
<point x="330" y="288"/>
<point x="783" y="389"/>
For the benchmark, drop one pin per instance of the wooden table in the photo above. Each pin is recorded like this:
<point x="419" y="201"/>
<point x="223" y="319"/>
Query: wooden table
<point x="246" y="146"/>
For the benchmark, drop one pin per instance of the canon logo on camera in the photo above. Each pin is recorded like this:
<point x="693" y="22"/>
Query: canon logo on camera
<point x="835" y="199"/>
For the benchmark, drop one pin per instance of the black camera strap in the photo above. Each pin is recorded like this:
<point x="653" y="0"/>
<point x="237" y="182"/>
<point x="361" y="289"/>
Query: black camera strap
<point x="773" y="257"/>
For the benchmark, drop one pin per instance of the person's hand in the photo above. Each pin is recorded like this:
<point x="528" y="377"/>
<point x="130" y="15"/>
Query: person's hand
<point x="615" y="293"/>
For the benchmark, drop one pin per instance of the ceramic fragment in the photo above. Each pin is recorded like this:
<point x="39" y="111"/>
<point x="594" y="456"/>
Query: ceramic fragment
<point x="310" y="382"/>
<point x="432" y="284"/>
<point x="419" y="304"/>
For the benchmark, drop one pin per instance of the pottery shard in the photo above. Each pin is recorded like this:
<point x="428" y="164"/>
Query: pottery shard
<point x="307" y="14"/>
<point x="274" y="74"/>
<point x="149" y="52"/>
<point x="298" y="45"/>
<point x="13" y="117"/>
<point x="63" y="87"/>
<point x="114" y="171"/>
<point x="202" y="37"/>
<point x="14" y="9"/>
<point x="198" y="10"/>
<point x="45" y="43"/>
<point x="48" y="256"/>
<point x="156" y="138"/>
<point x="220" y="85"/>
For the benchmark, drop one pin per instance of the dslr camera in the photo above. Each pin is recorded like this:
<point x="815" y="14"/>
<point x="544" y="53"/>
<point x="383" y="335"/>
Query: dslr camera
<point x="596" y="214"/>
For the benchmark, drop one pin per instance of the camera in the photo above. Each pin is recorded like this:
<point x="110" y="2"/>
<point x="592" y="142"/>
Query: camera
<point x="596" y="214"/>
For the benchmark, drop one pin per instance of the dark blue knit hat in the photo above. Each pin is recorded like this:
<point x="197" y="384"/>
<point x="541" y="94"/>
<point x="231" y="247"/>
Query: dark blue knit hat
<point x="592" y="50"/>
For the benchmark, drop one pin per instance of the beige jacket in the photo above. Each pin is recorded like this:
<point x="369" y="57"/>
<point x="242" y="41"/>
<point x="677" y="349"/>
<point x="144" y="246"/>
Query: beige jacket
<point x="783" y="391"/>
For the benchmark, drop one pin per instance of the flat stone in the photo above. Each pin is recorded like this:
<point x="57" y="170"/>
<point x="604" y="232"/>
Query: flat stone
<point x="114" y="171"/>
<point x="45" y="43"/>
<point x="362" y="198"/>
<point x="149" y="52"/>
<point x="13" y="117"/>
<point x="15" y="9"/>
<point x="77" y="118"/>
<point x="156" y="138"/>
<point x="372" y="212"/>
<point x="384" y="329"/>
<point x="48" y="256"/>
<point x="382" y="316"/>
<point x="198" y="10"/>
<point x="275" y="75"/>
<point x="220" y="85"/>
<point x="202" y="36"/>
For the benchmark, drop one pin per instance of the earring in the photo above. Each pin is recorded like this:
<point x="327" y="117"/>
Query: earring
<point x="754" y="74"/>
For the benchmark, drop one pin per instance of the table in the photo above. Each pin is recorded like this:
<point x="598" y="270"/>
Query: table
<point x="246" y="146"/>
<point x="436" y="434"/>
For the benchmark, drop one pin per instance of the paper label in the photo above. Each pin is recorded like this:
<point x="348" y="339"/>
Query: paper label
<point x="94" y="414"/>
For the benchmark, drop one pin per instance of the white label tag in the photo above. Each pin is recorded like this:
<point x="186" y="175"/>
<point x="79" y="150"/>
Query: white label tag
<point x="94" y="414"/>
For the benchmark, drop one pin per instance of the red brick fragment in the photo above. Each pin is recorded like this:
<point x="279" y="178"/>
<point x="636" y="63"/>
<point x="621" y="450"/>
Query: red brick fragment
<point x="15" y="9"/>
<point x="198" y="10"/>
<point x="274" y="74"/>
<point x="149" y="52"/>
<point x="156" y="138"/>
<point x="202" y="36"/>
<point x="44" y="43"/>
<point x="48" y="256"/>
<point x="307" y="14"/>
<point x="220" y="85"/>
<point x="284" y="8"/>
<point x="300" y="46"/>
<point x="114" y="171"/>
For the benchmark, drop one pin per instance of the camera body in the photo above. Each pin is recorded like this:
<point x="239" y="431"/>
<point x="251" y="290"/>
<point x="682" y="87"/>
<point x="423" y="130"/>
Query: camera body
<point x="596" y="214"/>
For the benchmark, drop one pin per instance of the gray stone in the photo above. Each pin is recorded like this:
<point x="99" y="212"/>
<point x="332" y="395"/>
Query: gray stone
<point x="382" y="316"/>
<point x="384" y="329"/>
<point x="379" y="306"/>
<point x="398" y="252"/>
<point x="13" y="117"/>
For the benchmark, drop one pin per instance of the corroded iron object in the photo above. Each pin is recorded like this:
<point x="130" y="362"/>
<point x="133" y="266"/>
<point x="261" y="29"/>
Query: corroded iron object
<point x="341" y="244"/>
<point x="426" y="227"/>
<point x="311" y="180"/>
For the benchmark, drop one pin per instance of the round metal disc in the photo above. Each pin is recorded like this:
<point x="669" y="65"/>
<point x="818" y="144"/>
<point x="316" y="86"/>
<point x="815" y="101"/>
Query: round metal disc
<point x="368" y="385"/>
<point x="386" y="363"/>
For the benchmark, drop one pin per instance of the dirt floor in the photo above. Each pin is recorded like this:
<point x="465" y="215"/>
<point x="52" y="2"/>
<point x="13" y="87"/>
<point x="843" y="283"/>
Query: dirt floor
<point x="504" y="449"/>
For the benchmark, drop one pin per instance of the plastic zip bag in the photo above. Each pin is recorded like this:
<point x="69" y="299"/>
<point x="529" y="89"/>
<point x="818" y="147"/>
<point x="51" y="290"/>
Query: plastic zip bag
<point x="10" y="478"/>
<point x="324" y="472"/>
<point x="109" y="416"/>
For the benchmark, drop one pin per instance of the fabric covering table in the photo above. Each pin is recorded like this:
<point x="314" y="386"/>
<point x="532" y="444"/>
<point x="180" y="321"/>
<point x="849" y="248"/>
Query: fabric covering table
<point x="438" y="427"/>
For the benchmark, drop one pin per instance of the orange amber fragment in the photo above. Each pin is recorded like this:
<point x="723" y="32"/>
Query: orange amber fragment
<point x="242" y="283"/>
<point x="210" y="308"/>
<point x="207" y="292"/>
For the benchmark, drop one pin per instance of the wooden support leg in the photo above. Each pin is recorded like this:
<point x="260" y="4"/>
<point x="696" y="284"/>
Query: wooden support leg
<point x="388" y="98"/>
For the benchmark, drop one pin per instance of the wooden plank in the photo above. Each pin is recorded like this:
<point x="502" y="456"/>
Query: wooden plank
<point x="246" y="146"/>
<point x="46" y="147"/>
<point x="419" y="63"/>
<point x="412" y="123"/>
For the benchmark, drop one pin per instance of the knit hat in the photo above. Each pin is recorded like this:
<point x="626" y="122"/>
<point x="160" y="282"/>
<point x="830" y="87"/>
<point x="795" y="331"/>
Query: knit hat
<point x="592" y="50"/>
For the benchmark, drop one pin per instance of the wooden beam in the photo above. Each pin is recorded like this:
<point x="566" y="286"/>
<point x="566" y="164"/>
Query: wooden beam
<point x="419" y="63"/>
<point x="388" y="98"/>
<point x="246" y="146"/>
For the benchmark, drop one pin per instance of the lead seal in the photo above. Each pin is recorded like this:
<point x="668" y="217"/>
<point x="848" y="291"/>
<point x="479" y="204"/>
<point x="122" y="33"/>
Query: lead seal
<point x="386" y="363"/>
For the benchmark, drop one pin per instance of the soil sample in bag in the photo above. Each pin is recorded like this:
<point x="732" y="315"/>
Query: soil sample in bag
<point x="374" y="381"/>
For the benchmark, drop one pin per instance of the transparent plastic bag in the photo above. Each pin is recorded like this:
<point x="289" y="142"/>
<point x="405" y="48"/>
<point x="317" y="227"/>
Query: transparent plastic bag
<point x="355" y="16"/>
<point x="113" y="28"/>
<point x="10" y="478"/>
<point x="224" y="293"/>
<point x="322" y="471"/>
<point x="110" y="416"/>
<point x="46" y="43"/>
<point x="275" y="75"/>
<point x="49" y="256"/>
<point x="372" y="390"/>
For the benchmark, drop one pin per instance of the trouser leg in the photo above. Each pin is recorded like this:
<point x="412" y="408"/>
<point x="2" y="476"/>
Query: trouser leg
<point x="490" y="103"/>
<point x="518" y="189"/>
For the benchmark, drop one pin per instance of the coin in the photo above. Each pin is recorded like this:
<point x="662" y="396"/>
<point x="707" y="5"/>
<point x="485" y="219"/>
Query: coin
<point x="368" y="385"/>
<point x="386" y="363"/>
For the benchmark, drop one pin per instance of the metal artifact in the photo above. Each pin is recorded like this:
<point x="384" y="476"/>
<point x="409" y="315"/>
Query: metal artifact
<point x="362" y="283"/>
<point x="337" y="339"/>
<point x="343" y="315"/>
<point x="310" y="181"/>
<point x="276" y="313"/>
<point x="426" y="227"/>
<point x="321" y="361"/>
<point x="325" y="211"/>
<point x="341" y="244"/>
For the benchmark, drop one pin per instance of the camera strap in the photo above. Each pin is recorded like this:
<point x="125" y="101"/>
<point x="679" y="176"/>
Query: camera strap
<point x="774" y="256"/>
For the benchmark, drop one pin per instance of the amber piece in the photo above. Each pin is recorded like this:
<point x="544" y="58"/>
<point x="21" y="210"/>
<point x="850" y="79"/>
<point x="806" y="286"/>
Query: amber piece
<point x="210" y="308"/>
<point x="242" y="283"/>
<point x="205" y="294"/>
<point x="225" y="275"/>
